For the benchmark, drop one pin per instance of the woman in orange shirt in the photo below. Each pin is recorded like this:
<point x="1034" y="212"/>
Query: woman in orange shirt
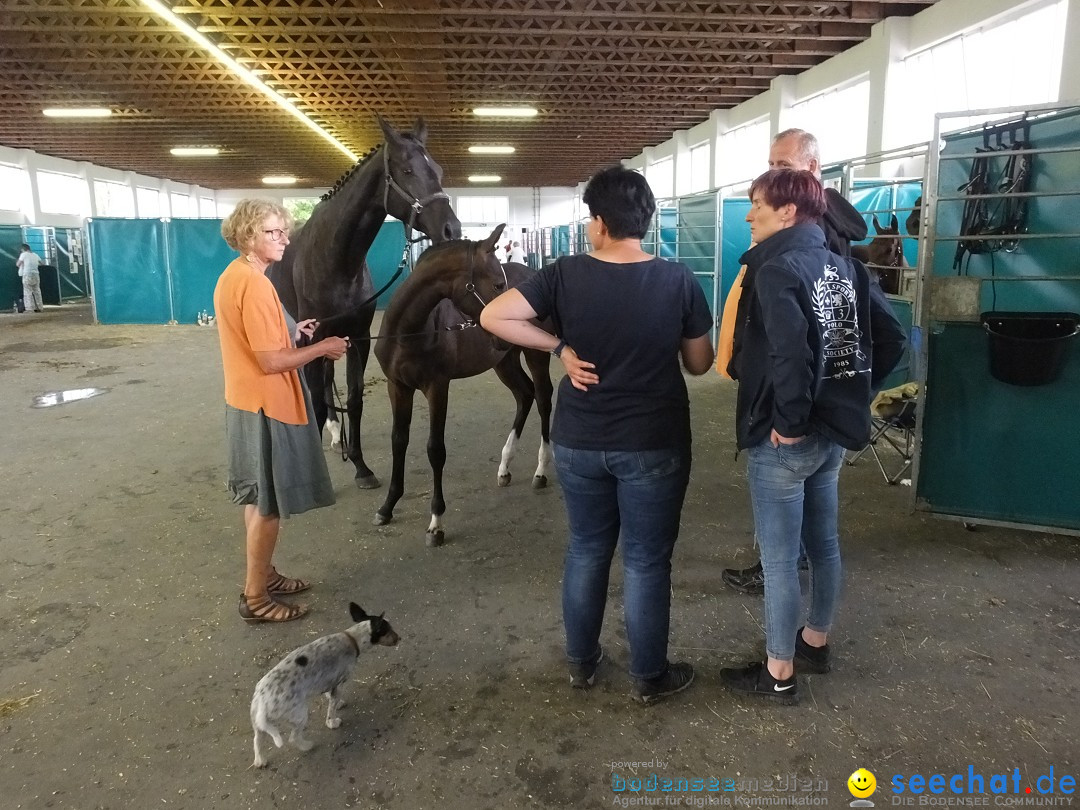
<point x="276" y="463"/>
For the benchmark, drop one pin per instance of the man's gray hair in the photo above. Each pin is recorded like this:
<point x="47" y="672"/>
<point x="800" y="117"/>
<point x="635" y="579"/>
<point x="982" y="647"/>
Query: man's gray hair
<point x="808" y="145"/>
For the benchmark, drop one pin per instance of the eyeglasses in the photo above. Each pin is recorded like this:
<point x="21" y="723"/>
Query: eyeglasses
<point x="277" y="233"/>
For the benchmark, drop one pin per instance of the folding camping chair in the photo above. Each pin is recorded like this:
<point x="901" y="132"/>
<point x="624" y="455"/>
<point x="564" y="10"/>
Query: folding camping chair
<point x="895" y="427"/>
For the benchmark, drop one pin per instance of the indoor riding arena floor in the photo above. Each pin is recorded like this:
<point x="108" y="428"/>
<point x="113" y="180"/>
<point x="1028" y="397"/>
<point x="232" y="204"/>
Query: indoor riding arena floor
<point x="127" y="674"/>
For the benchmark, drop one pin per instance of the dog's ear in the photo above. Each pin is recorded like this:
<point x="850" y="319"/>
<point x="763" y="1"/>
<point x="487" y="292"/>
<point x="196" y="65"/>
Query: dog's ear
<point x="357" y="612"/>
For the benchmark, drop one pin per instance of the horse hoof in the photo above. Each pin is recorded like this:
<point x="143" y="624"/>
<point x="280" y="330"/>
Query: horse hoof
<point x="504" y="480"/>
<point x="539" y="482"/>
<point x="435" y="539"/>
<point x="367" y="482"/>
<point x="381" y="519"/>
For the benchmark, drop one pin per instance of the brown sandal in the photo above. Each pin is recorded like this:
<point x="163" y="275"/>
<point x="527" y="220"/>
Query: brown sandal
<point x="280" y="584"/>
<point x="265" y="609"/>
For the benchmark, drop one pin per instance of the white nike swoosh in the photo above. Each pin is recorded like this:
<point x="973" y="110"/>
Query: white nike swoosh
<point x="778" y="688"/>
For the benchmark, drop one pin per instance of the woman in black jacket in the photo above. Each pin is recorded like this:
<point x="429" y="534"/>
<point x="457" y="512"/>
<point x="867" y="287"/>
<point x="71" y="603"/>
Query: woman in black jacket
<point x="815" y="337"/>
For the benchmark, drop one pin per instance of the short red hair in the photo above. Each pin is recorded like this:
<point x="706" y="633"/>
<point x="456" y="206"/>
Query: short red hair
<point x="802" y="189"/>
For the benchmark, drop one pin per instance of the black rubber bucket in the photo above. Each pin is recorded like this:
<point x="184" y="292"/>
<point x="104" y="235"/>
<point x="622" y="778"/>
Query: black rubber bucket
<point x="1028" y="348"/>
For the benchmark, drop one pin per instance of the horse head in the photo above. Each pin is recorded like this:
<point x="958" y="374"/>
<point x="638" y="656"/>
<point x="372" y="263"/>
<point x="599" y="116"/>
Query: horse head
<point x="887" y="248"/>
<point x="413" y="191"/>
<point x="914" y="219"/>
<point x="465" y="272"/>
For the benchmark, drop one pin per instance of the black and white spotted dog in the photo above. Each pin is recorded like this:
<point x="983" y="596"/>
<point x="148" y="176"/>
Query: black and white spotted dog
<point x="282" y="694"/>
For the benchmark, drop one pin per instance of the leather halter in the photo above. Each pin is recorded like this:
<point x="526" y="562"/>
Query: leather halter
<point x="415" y="205"/>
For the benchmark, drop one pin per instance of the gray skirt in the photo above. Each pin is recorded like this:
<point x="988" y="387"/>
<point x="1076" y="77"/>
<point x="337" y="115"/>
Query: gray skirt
<point x="280" y="468"/>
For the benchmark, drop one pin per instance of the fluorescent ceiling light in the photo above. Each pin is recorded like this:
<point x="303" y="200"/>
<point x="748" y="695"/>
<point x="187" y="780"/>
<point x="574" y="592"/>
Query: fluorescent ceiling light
<point x="484" y="178"/>
<point x="77" y="112"/>
<point x="279" y="180"/>
<point x="492" y="150"/>
<point x="505" y="112"/>
<point x="194" y="151"/>
<point x="246" y="75"/>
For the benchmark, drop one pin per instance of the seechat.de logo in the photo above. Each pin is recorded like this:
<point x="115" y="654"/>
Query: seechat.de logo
<point x="862" y="785"/>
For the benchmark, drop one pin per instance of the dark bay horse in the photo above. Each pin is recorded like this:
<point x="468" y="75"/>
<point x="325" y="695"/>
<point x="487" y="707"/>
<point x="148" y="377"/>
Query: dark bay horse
<point x="884" y="255"/>
<point x="422" y="347"/>
<point x="323" y="274"/>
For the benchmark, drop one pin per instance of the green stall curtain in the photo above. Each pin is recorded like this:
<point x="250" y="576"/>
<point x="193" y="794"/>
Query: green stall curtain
<point x="10" y="283"/>
<point x="130" y="277"/>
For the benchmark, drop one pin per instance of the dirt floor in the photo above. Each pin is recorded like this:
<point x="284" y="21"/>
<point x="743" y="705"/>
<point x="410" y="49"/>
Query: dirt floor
<point x="127" y="674"/>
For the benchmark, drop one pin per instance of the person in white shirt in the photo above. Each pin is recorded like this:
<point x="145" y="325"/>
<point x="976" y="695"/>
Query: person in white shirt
<point x="27" y="264"/>
<point x="517" y="254"/>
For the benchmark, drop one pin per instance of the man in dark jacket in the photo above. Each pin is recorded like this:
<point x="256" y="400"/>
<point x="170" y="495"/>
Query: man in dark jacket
<point x="842" y="224"/>
<point x="818" y="337"/>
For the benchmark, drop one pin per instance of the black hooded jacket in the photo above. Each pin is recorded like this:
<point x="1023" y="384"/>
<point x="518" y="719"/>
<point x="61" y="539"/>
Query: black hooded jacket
<point x="816" y="337"/>
<point x="842" y="223"/>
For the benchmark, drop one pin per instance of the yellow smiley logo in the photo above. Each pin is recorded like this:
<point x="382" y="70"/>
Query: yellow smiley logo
<point x="861" y="783"/>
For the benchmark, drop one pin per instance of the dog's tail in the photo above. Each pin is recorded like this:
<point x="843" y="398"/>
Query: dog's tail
<point x="260" y="723"/>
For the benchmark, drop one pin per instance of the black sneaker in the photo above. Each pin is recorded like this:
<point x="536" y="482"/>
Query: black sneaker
<point x="678" y="677"/>
<point x="755" y="679"/>
<point x="814" y="660"/>
<point x="745" y="580"/>
<point x="582" y="676"/>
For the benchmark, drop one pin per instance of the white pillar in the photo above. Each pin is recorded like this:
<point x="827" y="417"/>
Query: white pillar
<point x="1070" y="57"/>
<point x="783" y="96"/>
<point x="889" y="43"/>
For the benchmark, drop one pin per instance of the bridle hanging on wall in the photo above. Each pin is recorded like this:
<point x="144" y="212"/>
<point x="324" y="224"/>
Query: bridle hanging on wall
<point x="1004" y="215"/>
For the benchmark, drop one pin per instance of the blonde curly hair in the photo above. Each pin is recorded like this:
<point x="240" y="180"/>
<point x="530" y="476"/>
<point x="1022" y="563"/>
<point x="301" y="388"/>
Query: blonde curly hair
<point x="241" y="228"/>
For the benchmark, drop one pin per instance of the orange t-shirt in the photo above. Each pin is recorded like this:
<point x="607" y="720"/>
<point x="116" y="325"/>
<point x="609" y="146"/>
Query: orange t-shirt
<point x="250" y="319"/>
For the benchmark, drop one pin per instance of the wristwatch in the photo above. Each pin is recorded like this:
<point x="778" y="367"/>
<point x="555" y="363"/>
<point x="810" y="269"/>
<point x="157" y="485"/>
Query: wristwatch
<point x="557" y="351"/>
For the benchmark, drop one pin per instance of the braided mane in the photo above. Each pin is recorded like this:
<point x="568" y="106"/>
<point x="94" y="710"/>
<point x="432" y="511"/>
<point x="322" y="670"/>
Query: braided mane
<point x="349" y="173"/>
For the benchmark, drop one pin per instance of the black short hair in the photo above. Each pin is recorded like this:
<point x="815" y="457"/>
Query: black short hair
<point x="623" y="199"/>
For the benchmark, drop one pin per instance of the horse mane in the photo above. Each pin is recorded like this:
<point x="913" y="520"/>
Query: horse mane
<point x="350" y="172"/>
<point x="356" y="167"/>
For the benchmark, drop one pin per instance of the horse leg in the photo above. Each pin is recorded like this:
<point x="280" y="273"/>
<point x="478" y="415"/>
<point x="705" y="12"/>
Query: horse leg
<point x="315" y="375"/>
<point x="333" y="424"/>
<point x="542" y="392"/>
<point x="514" y="377"/>
<point x="401" y="406"/>
<point x="438" y="395"/>
<point x="356" y="359"/>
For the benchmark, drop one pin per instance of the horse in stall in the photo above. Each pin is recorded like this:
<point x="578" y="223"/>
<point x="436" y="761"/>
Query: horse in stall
<point x="884" y="255"/>
<point x="323" y="274"/>
<point x="426" y="341"/>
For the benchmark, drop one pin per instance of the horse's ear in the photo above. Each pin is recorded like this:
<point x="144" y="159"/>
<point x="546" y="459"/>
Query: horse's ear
<point x="489" y="244"/>
<point x="877" y="225"/>
<point x="895" y="228"/>
<point x="389" y="133"/>
<point x="419" y="130"/>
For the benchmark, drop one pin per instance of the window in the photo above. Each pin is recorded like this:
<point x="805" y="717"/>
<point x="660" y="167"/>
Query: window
<point x="300" y="207"/>
<point x="63" y="194"/>
<point x="483" y="210"/>
<point x="742" y="153"/>
<point x="207" y="209"/>
<point x="661" y="178"/>
<point x="180" y="204"/>
<point x="113" y="199"/>
<point x="14" y="189"/>
<point x="148" y="202"/>
<point x="699" y="167"/>
<point x="982" y="72"/>
<point x="839" y="117"/>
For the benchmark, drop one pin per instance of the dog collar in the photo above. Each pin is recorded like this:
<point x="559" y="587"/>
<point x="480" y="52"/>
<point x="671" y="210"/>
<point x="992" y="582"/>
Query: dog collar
<point x="352" y="641"/>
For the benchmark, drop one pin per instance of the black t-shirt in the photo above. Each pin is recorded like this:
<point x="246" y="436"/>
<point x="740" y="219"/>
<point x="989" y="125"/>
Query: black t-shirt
<point x="630" y="320"/>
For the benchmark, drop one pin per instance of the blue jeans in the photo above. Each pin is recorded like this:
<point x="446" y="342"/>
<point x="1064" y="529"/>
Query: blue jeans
<point x="635" y="497"/>
<point x="794" y="492"/>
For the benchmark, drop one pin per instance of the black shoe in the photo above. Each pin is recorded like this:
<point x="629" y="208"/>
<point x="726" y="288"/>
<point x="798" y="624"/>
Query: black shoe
<point x="754" y="679"/>
<point x="814" y="660"/>
<point x="678" y="677"/>
<point x="746" y="580"/>
<point x="582" y="676"/>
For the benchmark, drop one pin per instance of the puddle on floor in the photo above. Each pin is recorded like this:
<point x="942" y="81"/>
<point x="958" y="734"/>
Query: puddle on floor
<point x="50" y="398"/>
